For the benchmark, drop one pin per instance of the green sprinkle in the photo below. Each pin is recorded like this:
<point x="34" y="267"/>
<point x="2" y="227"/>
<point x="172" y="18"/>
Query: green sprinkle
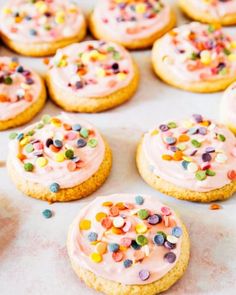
<point x="46" y="119"/>
<point x="210" y="172"/>
<point x="221" y="137"/>
<point x="31" y="132"/>
<point x="69" y="154"/>
<point x="141" y="240"/>
<point x="29" y="148"/>
<point x="172" y="125"/>
<point x="40" y="126"/>
<point x="12" y="135"/>
<point x="143" y="214"/>
<point x="196" y="143"/>
<point x="84" y="132"/>
<point x="181" y="146"/>
<point x="110" y="49"/>
<point x="116" y="55"/>
<point x="223" y="71"/>
<point x="193" y="56"/>
<point x="226" y="51"/>
<point x="92" y="142"/>
<point x="211" y="29"/>
<point x="28" y="167"/>
<point x="8" y="80"/>
<point x="201" y="175"/>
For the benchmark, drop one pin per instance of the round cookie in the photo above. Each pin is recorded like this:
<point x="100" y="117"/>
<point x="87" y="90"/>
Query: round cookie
<point x="60" y="158"/>
<point x="196" y="57"/>
<point x="22" y="93"/>
<point x="92" y="76"/>
<point x="192" y="159"/>
<point x="128" y="244"/>
<point x="134" y="24"/>
<point x="213" y="11"/>
<point x="228" y="108"/>
<point x="39" y="28"/>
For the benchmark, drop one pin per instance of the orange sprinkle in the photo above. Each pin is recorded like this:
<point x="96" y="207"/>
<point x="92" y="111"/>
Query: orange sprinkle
<point x="167" y="157"/>
<point x="173" y="33"/>
<point x="107" y="204"/>
<point x="21" y="157"/>
<point x="178" y="155"/>
<point x="183" y="138"/>
<point x="54" y="149"/>
<point x="100" y="216"/>
<point x="106" y="222"/>
<point x="117" y="256"/>
<point x="3" y="98"/>
<point x="139" y="255"/>
<point x="114" y="211"/>
<point x="205" y="123"/>
<point x="28" y="97"/>
<point x="67" y="126"/>
<point x="215" y="207"/>
<point x="232" y="175"/>
<point x="56" y="121"/>
<point x="120" y="206"/>
<point x="71" y="166"/>
<point x="117" y="231"/>
<point x="46" y="61"/>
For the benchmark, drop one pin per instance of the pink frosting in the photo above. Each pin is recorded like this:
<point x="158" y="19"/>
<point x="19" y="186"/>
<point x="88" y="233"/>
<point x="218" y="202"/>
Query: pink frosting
<point x="176" y="50"/>
<point x="215" y="7"/>
<point x="90" y="64"/>
<point x="155" y="146"/>
<point x="80" y="248"/>
<point x="14" y="97"/>
<point x="89" y="158"/>
<point x="228" y="105"/>
<point x="42" y="21"/>
<point x="126" y="24"/>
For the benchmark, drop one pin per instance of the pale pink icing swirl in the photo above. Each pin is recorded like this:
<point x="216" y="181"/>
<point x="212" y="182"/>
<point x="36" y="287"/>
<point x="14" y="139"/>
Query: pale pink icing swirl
<point x="154" y="147"/>
<point x="228" y="105"/>
<point x="42" y="21"/>
<point x="215" y="7"/>
<point x="127" y="25"/>
<point x="90" y="64"/>
<point x="80" y="248"/>
<point x="12" y="101"/>
<point x="89" y="158"/>
<point x="197" y="52"/>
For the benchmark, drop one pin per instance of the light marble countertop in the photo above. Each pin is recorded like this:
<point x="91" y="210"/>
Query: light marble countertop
<point x="33" y="256"/>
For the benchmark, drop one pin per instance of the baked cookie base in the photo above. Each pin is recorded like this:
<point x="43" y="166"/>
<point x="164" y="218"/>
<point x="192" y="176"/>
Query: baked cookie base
<point x="164" y="73"/>
<point x="39" y="191"/>
<point x="27" y="114"/>
<point x="178" y="192"/>
<point x="42" y="49"/>
<point x="73" y="103"/>
<point x="136" y="44"/>
<point x="113" y="288"/>
<point x="205" y="17"/>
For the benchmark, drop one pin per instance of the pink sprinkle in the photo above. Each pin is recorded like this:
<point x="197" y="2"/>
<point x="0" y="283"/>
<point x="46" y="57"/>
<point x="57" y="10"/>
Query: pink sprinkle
<point x="165" y="211"/>
<point x="71" y="135"/>
<point x="38" y="146"/>
<point x="127" y="226"/>
<point x="126" y="242"/>
<point x="234" y="152"/>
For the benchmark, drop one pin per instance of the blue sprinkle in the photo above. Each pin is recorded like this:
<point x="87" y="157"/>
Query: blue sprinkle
<point x="170" y="140"/>
<point x="92" y="236"/>
<point x="185" y="164"/>
<point x="134" y="245"/>
<point x="159" y="239"/>
<point x="20" y="136"/>
<point x="54" y="187"/>
<point x="81" y="143"/>
<point x="76" y="127"/>
<point x="33" y="32"/>
<point x="127" y="263"/>
<point x="20" y="69"/>
<point x="113" y="247"/>
<point x="58" y="143"/>
<point x="177" y="231"/>
<point x="47" y="213"/>
<point x="139" y="200"/>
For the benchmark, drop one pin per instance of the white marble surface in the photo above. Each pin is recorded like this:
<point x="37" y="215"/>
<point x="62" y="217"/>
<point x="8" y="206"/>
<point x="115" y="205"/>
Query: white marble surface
<point x="33" y="257"/>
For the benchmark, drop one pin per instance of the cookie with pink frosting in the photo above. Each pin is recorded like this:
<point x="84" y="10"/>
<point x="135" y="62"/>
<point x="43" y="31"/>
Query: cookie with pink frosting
<point x="228" y="108"/>
<point x="210" y="11"/>
<point x="39" y="28"/>
<point x="196" y="57"/>
<point x="92" y="76"/>
<point x="22" y="93"/>
<point x="60" y="158"/>
<point x="133" y="23"/>
<point x="128" y="244"/>
<point x="193" y="159"/>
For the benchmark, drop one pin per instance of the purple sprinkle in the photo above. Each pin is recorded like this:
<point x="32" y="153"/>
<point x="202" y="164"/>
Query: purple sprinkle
<point x="154" y="219"/>
<point x="169" y="245"/>
<point x="173" y="149"/>
<point x="206" y="157"/>
<point x="163" y="127"/>
<point x="197" y="118"/>
<point x="29" y="81"/>
<point x="210" y="150"/>
<point x="144" y="274"/>
<point x="78" y="85"/>
<point x="170" y="257"/>
<point x="193" y="153"/>
<point x="202" y="130"/>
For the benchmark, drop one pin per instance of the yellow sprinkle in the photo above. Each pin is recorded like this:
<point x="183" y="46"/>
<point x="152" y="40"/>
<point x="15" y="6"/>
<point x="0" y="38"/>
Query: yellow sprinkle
<point x="60" y="157"/>
<point x="100" y="72"/>
<point x="232" y="57"/>
<point x="7" y="10"/>
<point x="13" y="65"/>
<point x="140" y="8"/>
<point x="41" y="6"/>
<point x="94" y="243"/>
<point x="41" y="162"/>
<point x="140" y="228"/>
<point x="94" y="53"/>
<point x="55" y="122"/>
<point x="154" y="132"/>
<point x="95" y="257"/>
<point x="121" y="76"/>
<point x="73" y="10"/>
<point x="102" y="57"/>
<point x="233" y="44"/>
<point x="101" y="248"/>
<point x="24" y="141"/>
<point x="205" y="57"/>
<point x="107" y="204"/>
<point x="85" y="224"/>
<point x="62" y="63"/>
<point x="188" y="159"/>
<point x="59" y="19"/>
<point x="122" y="248"/>
<point x="100" y="216"/>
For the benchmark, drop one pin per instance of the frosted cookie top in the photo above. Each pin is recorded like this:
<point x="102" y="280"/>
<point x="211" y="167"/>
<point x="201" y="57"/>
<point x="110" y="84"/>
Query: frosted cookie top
<point x="19" y="88"/>
<point x="126" y="21"/>
<point x="216" y="8"/>
<point x="228" y="105"/>
<point x="57" y="152"/>
<point x="130" y="239"/>
<point x="195" y="154"/>
<point x="197" y="52"/>
<point x="91" y="68"/>
<point x="41" y="21"/>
